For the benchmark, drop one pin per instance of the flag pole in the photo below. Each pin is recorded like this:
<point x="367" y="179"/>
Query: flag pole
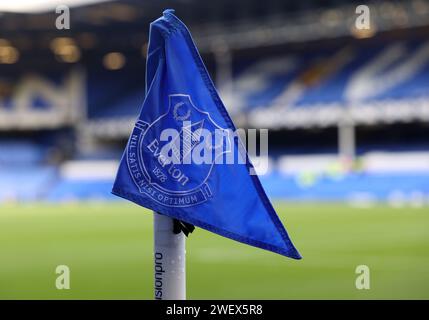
<point x="169" y="260"/>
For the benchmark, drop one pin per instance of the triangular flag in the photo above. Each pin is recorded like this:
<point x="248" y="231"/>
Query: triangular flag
<point x="175" y="162"/>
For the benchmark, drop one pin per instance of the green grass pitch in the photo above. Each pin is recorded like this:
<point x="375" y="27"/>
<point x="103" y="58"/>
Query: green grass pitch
<point x="108" y="248"/>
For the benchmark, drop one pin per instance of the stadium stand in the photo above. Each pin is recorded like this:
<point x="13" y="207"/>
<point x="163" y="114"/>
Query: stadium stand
<point x="23" y="176"/>
<point x="277" y="80"/>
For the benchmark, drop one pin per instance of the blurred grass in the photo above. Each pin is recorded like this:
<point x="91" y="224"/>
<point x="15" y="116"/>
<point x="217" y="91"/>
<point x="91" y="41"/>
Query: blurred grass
<point x="108" y="248"/>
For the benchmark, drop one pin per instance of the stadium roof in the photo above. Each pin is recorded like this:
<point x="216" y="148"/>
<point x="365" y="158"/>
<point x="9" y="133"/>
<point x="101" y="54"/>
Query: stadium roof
<point x="241" y="23"/>
<point x="38" y="6"/>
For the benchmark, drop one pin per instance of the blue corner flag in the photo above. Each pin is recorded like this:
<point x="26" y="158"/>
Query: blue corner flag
<point x="172" y="166"/>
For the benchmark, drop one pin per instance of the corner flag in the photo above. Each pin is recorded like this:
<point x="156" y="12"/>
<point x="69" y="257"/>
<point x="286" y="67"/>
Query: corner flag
<point x="170" y="164"/>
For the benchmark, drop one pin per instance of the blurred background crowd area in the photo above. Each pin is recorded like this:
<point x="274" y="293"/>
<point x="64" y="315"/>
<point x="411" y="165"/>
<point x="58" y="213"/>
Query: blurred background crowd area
<point x="347" y="109"/>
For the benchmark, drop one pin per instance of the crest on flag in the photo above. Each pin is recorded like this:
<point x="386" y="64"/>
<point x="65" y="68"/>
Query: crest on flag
<point x="159" y="160"/>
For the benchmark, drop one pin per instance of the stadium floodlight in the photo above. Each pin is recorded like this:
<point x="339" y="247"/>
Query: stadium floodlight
<point x="38" y="6"/>
<point x="8" y="53"/>
<point x="114" y="60"/>
<point x="224" y="198"/>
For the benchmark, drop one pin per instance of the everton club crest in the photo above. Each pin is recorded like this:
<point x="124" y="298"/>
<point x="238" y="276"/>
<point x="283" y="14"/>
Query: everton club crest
<point x="171" y="159"/>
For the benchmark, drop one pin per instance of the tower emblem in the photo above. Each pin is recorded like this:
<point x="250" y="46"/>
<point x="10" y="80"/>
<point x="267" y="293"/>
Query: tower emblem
<point x="160" y="155"/>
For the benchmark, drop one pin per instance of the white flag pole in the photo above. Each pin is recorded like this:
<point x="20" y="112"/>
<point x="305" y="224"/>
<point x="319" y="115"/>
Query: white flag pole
<point x="169" y="260"/>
